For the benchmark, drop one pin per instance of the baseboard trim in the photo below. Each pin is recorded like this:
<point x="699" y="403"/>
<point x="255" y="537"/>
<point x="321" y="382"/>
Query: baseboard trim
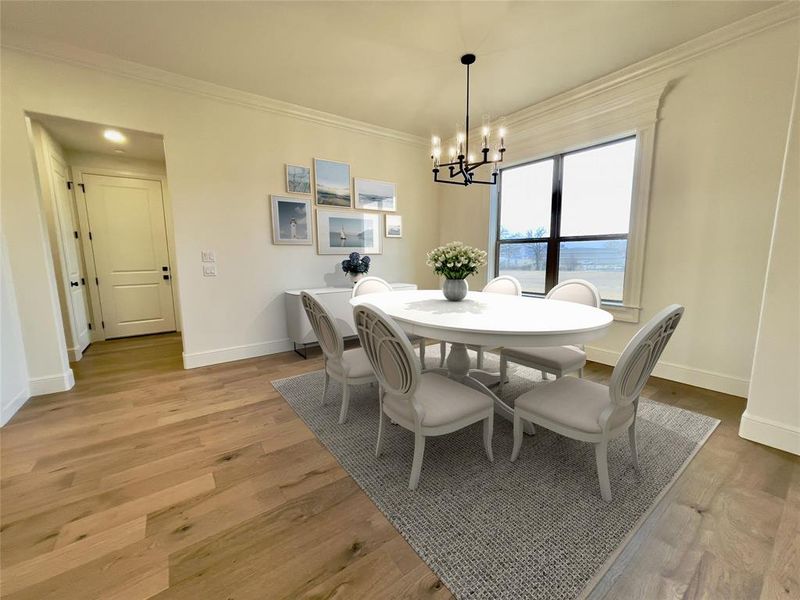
<point x="12" y="407"/>
<point x="709" y="380"/>
<point x="193" y="360"/>
<point x="770" y="433"/>
<point x="51" y="384"/>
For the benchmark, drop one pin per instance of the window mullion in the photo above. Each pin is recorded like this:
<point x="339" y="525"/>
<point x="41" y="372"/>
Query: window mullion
<point x="551" y="273"/>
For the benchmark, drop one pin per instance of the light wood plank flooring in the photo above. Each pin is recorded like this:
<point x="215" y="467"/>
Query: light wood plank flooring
<point x="146" y="480"/>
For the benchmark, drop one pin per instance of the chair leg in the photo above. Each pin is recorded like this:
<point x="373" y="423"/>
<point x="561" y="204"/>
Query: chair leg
<point x="416" y="465"/>
<point x="442" y="354"/>
<point x="580" y="372"/>
<point x="422" y="352"/>
<point x="517" y="436"/>
<point x="479" y="363"/>
<point x="379" y="443"/>
<point x="488" y="428"/>
<point x="632" y="439"/>
<point x="325" y="386"/>
<point x="503" y="373"/>
<point x="601" y="456"/>
<point x="345" y="402"/>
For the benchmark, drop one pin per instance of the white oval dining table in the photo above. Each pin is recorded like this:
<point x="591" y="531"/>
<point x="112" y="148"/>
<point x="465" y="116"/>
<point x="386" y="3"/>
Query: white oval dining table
<point x="491" y="321"/>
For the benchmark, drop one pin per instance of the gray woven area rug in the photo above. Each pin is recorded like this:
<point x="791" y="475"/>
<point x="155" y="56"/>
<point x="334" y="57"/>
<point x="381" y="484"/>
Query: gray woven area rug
<point x="534" y="529"/>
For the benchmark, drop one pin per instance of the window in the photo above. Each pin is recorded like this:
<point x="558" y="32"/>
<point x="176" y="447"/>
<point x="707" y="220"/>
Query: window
<point x="567" y="217"/>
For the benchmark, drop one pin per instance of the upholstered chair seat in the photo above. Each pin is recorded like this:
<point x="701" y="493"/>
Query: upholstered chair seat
<point x="558" y="358"/>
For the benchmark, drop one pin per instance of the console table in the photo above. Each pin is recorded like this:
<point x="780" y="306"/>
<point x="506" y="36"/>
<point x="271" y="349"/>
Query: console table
<point x="336" y="300"/>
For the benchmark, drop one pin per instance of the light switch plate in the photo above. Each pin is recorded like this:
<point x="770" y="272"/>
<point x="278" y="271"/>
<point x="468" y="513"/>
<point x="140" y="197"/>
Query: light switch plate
<point x="208" y="256"/>
<point x="209" y="270"/>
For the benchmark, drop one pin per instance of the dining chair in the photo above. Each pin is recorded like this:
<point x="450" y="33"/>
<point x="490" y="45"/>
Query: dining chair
<point x="428" y="404"/>
<point x="590" y="412"/>
<point x="503" y="284"/>
<point x="556" y="360"/>
<point x="348" y="367"/>
<point x="376" y="285"/>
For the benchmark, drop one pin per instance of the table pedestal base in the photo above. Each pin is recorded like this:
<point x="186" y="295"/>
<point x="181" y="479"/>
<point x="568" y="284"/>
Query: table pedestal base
<point x="458" y="369"/>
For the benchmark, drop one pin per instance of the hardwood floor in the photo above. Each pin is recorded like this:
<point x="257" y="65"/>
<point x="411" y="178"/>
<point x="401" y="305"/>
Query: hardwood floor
<point x="146" y="480"/>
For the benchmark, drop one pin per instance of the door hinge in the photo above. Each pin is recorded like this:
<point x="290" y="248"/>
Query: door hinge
<point x="83" y="281"/>
<point x="90" y="325"/>
<point x="83" y="187"/>
<point x="69" y="185"/>
<point x="90" y="236"/>
<point x="96" y="281"/>
<point x="103" y="323"/>
<point x="76" y="234"/>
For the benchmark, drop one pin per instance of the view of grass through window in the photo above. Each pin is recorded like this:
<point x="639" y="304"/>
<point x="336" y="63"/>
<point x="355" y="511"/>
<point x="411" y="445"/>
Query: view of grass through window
<point x="567" y="217"/>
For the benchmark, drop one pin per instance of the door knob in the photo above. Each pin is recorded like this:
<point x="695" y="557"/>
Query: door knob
<point x="73" y="284"/>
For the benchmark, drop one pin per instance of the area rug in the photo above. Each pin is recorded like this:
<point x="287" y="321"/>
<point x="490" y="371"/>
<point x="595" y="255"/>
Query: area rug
<point x="533" y="529"/>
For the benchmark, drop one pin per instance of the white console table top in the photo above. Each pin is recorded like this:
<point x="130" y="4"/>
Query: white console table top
<point x="339" y="289"/>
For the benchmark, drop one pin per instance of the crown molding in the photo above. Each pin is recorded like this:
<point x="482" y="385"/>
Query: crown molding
<point x="65" y="53"/>
<point x="628" y="76"/>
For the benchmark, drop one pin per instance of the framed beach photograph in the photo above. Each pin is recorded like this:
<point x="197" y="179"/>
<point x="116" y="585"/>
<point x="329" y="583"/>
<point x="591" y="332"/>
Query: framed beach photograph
<point x="298" y="179"/>
<point x="394" y="226"/>
<point x="291" y="221"/>
<point x="376" y="195"/>
<point x="340" y="232"/>
<point x="332" y="183"/>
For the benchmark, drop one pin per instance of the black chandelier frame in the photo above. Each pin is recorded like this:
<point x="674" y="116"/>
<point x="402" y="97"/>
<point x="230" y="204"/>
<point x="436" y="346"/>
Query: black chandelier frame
<point x="461" y="167"/>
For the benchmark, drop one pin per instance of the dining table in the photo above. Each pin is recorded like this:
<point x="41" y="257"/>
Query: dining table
<point x="488" y="320"/>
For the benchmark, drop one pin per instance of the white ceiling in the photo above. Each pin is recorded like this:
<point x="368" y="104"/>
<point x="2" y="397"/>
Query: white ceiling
<point x="394" y="64"/>
<point x="83" y="136"/>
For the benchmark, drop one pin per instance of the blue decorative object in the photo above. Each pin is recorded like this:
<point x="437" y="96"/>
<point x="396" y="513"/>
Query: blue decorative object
<point x="356" y="264"/>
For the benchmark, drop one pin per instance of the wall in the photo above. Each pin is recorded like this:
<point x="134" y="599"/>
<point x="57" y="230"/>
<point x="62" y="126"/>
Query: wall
<point x="773" y="406"/>
<point x="718" y="154"/>
<point x="13" y="367"/>
<point x="224" y="159"/>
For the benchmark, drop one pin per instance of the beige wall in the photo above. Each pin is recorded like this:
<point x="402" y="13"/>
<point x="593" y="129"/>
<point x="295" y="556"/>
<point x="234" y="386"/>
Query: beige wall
<point x="718" y="155"/>
<point x="13" y="366"/>
<point x="223" y="160"/>
<point x="773" y="406"/>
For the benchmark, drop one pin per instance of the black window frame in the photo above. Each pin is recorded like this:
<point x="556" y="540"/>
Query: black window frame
<point x="554" y="239"/>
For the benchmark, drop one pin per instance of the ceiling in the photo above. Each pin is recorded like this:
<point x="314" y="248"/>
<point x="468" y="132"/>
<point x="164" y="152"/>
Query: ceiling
<point x="394" y="64"/>
<point x="83" y="136"/>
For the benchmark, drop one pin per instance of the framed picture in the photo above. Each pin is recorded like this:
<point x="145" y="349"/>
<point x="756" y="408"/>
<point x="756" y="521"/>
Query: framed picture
<point x="394" y="226"/>
<point x="340" y="232"/>
<point x="332" y="183"/>
<point x="291" y="221"/>
<point x="298" y="179"/>
<point x="376" y="195"/>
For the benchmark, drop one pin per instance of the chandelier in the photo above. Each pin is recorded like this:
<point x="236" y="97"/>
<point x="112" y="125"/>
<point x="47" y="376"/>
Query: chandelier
<point x="462" y="164"/>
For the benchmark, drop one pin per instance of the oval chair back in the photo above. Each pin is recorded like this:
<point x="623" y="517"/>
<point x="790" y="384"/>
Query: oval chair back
<point x="388" y="350"/>
<point x="324" y="326"/>
<point x="579" y="291"/>
<point x="641" y="355"/>
<point x="504" y="284"/>
<point x="371" y="285"/>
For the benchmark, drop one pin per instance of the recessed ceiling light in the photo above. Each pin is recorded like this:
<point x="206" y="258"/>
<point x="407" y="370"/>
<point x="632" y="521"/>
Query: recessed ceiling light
<point x="112" y="135"/>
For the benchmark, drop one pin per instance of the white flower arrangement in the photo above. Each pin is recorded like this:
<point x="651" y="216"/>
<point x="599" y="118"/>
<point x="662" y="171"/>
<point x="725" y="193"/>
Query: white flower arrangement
<point x="456" y="260"/>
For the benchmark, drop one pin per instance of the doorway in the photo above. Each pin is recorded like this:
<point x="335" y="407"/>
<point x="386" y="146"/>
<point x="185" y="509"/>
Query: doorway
<point x="107" y="201"/>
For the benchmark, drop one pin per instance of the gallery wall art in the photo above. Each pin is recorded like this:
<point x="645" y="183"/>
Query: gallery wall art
<point x="343" y="232"/>
<point x="375" y="195"/>
<point x="332" y="183"/>
<point x="291" y="221"/>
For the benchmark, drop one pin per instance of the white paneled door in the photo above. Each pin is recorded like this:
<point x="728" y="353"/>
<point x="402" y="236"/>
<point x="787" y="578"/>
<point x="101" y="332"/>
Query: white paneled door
<point x="129" y="240"/>
<point x="74" y="280"/>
